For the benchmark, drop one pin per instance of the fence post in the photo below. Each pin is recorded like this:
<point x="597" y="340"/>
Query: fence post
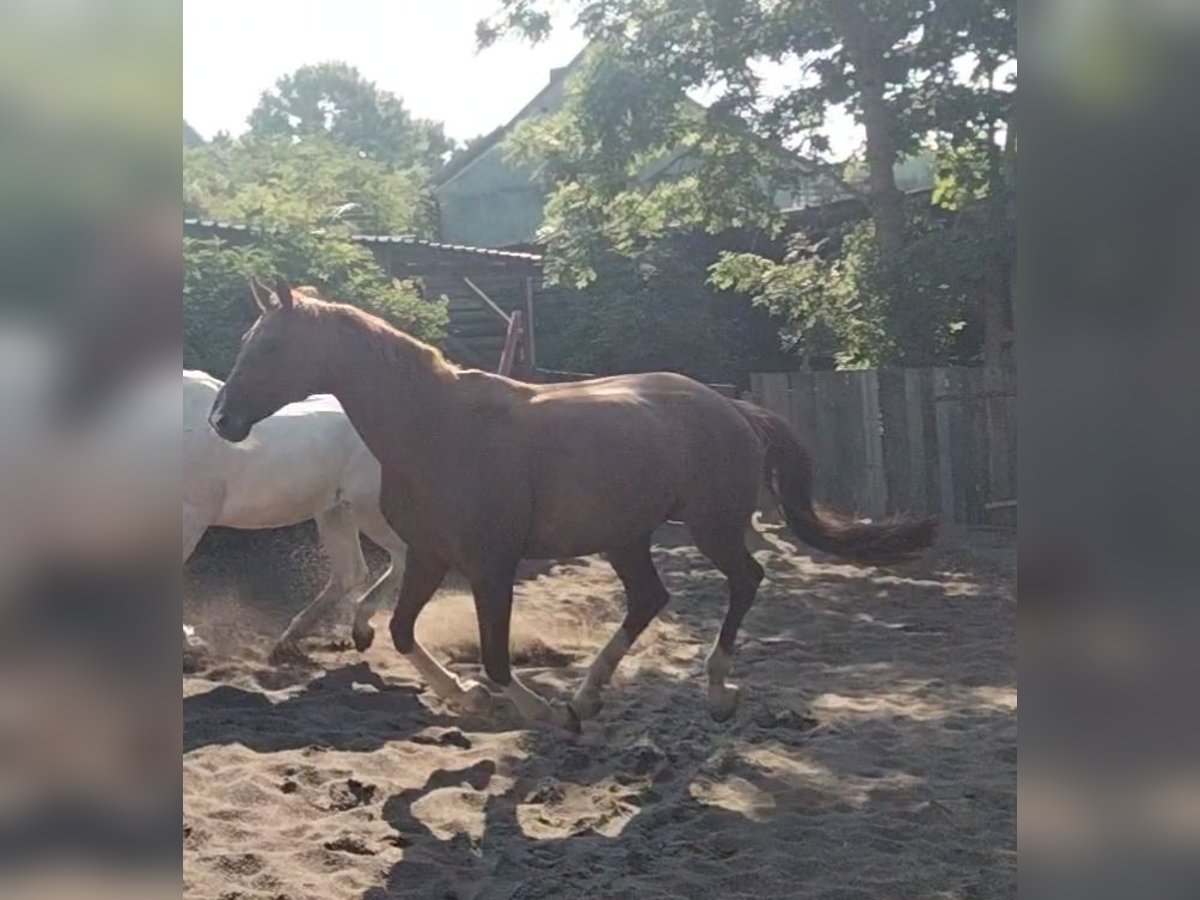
<point x="945" y="453"/>
<point x="877" y="492"/>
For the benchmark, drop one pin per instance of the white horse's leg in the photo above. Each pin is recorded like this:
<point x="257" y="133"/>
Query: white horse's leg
<point x="338" y="534"/>
<point x="372" y="524"/>
<point x="195" y="523"/>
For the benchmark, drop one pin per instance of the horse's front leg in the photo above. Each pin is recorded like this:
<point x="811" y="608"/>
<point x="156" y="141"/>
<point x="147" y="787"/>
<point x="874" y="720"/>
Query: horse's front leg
<point x="423" y="575"/>
<point x="195" y="523"/>
<point x="493" y="607"/>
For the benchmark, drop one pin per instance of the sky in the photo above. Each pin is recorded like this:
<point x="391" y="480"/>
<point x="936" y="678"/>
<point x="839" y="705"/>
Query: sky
<point x="421" y="50"/>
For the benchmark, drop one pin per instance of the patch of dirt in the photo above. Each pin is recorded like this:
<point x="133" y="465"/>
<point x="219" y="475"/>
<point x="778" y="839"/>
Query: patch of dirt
<point x="873" y="754"/>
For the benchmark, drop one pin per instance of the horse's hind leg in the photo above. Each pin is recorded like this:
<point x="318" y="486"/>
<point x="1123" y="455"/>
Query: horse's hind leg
<point x="645" y="596"/>
<point x="422" y="577"/>
<point x="726" y="547"/>
<point x="338" y="534"/>
<point x="373" y="525"/>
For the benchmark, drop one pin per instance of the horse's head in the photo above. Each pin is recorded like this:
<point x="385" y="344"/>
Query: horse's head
<point x="278" y="363"/>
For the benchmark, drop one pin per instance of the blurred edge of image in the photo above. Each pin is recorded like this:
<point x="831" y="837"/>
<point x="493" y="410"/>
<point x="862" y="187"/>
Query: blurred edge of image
<point x="90" y="281"/>
<point x="1110" y="779"/>
<point x="90" y="274"/>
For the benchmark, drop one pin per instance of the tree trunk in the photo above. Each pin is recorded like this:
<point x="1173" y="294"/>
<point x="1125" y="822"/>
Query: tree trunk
<point x="885" y="199"/>
<point x="996" y="301"/>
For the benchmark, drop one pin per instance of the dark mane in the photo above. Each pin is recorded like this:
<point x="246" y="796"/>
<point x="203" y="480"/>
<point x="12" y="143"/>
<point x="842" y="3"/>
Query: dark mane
<point x="380" y="337"/>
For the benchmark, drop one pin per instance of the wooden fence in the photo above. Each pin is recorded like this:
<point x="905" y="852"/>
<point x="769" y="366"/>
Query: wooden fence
<point x="904" y="440"/>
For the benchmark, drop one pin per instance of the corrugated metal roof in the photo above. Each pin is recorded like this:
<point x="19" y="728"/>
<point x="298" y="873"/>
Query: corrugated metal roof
<point x="406" y="239"/>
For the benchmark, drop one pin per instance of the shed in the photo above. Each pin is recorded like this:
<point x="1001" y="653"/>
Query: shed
<point x="483" y="286"/>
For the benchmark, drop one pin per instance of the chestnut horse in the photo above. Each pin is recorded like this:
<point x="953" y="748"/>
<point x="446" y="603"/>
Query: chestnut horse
<point x="480" y="472"/>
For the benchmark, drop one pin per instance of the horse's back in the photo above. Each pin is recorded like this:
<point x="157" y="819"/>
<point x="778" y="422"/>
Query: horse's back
<point x="619" y="455"/>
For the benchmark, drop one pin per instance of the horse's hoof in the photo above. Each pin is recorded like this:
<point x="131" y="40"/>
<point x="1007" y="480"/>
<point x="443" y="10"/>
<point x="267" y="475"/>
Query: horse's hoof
<point x="586" y="704"/>
<point x="475" y="698"/>
<point x="286" y="653"/>
<point x="723" y="704"/>
<point x="562" y="715"/>
<point x="363" y="636"/>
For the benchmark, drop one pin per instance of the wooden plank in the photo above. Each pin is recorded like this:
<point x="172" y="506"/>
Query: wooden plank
<point x="825" y="439"/>
<point x="968" y="428"/>
<point x="772" y="393"/>
<point x="756" y="380"/>
<point x="872" y="425"/>
<point x="530" y="329"/>
<point x="962" y="443"/>
<point x="942" y="413"/>
<point x="512" y="340"/>
<point x="894" y="440"/>
<point x="838" y="441"/>
<point x="802" y="407"/>
<point x="933" y="465"/>
<point x="486" y="299"/>
<point x="913" y="440"/>
<point x="981" y="453"/>
<point x="851" y="416"/>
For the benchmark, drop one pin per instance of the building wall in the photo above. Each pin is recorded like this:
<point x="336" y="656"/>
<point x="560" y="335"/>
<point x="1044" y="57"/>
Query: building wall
<point x="494" y="202"/>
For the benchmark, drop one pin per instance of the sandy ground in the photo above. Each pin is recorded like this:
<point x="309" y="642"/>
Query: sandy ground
<point x="873" y="756"/>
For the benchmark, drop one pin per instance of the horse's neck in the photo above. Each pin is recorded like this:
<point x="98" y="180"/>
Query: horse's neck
<point x="391" y="395"/>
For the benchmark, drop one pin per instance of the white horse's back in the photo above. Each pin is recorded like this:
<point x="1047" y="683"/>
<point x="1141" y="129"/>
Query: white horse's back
<point x="305" y="458"/>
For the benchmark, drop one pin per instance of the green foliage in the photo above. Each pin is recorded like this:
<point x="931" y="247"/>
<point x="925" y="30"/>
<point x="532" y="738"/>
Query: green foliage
<point x="632" y="161"/>
<point x="296" y="196"/>
<point x="917" y="308"/>
<point x="218" y="308"/>
<point x="334" y="100"/>
<point x="657" y="313"/>
<point x="315" y="181"/>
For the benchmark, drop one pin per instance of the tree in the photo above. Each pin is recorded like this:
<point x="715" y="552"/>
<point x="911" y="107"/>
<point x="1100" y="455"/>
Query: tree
<point x="318" y="181"/>
<point x="658" y="312"/>
<point x="632" y="159"/>
<point x="303" y="201"/>
<point x="335" y="101"/>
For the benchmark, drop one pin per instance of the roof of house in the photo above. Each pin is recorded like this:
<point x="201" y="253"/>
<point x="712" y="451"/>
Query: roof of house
<point x="494" y="138"/>
<point x="217" y="226"/>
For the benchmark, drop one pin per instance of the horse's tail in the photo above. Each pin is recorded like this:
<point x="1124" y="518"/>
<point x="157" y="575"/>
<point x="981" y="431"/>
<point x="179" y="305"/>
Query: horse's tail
<point x="789" y="466"/>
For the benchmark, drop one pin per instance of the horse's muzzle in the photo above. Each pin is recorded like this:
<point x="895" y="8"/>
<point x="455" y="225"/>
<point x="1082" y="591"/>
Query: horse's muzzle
<point x="228" y="428"/>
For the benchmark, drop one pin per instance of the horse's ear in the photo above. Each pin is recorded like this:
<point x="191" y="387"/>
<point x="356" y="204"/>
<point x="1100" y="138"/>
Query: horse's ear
<point x="264" y="298"/>
<point x="284" y="292"/>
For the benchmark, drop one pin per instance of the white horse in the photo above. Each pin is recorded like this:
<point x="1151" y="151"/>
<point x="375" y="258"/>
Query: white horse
<point x="305" y="462"/>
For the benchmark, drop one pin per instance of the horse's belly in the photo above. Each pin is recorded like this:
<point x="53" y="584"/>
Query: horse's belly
<point x="248" y="511"/>
<point x="575" y="517"/>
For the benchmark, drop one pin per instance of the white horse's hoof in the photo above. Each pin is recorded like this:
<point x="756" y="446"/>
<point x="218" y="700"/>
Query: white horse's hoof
<point x="475" y="698"/>
<point x="723" y="701"/>
<point x="363" y="636"/>
<point x="191" y="640"/>
<point x="587" y="704"/>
